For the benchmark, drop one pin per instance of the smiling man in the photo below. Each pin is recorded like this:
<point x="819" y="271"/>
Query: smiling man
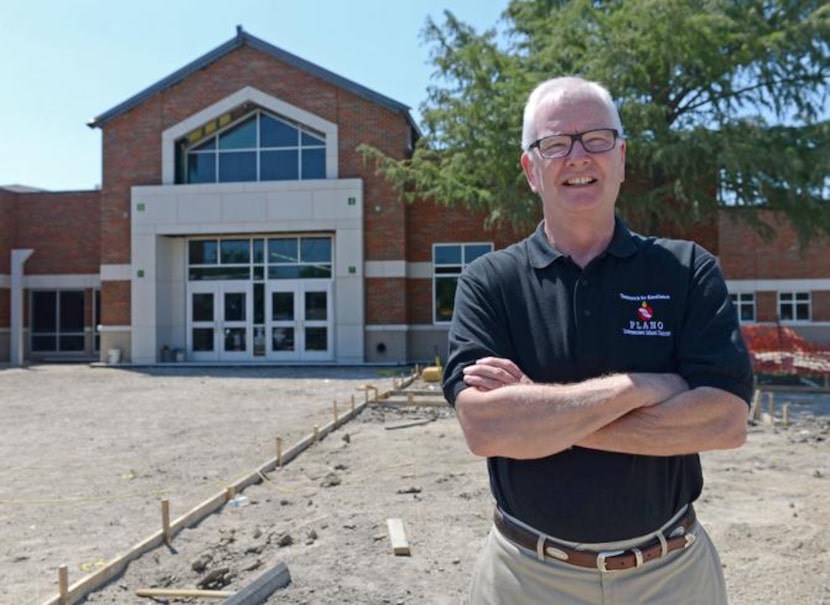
<point x="591" y="365"/>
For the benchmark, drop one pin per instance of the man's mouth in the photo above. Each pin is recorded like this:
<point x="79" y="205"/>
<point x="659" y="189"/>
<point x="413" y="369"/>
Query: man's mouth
<point x="579" y="181"/>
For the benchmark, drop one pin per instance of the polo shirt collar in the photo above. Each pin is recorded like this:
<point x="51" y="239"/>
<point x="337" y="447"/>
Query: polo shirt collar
<point x="542" y="254"/>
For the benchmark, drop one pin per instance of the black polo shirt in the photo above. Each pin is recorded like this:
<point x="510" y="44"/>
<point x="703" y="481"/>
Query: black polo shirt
<point x="644" y="305"/>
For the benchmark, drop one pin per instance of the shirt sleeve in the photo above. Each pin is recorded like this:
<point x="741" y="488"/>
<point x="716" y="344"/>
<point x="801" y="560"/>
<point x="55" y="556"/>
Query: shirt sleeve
<point x="711" y="349"/>
<point x="475" y="331"/>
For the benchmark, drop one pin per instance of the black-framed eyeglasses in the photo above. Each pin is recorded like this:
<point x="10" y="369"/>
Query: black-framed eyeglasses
<point x="598" y="140"/>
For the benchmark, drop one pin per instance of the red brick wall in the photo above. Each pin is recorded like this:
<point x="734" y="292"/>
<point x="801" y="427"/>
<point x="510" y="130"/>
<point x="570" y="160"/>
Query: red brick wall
<point x="115" y="303"/>
<point x="745" y="255"/>
<point x="132" y="156"/>
<point x="385" y="300"/>
<point x="8" y="227"/>
<point x="5" y="309"/>
<point x="420" y="301"/>
<point x="432" y="223"/>
<point x="62" y="229"/>
<point x="766" y="306"/>
<point x="821" y="305"/>
<point x="132" y="142"/>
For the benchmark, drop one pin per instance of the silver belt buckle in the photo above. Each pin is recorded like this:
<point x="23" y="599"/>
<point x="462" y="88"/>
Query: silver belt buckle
<point x="604" y="555"/>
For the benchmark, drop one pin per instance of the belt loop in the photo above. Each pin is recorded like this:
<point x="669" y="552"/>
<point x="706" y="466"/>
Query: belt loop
<point x="540" y="547"/>
<point x="638" y="557"/>
<point x="664" y="546"/>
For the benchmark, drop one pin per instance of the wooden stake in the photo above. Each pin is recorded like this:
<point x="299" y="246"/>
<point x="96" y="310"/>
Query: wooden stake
<point x="352" y="402"/>
<point x="754" y="410"/>
<point x="316" y="432"/>
<point x="771" y="402"/>
<point x="334" y="410"/>
<point x="165" y="520"/>
<point x="279" y="451"/>
<point x="785" y="411"/>
<point x="63" y="585"/>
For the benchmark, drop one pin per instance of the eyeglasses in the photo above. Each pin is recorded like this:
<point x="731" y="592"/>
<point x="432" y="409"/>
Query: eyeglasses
<point x="555" y="146"/>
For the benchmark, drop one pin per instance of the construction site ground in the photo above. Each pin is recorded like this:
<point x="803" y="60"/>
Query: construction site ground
<point x="89" y="453"/>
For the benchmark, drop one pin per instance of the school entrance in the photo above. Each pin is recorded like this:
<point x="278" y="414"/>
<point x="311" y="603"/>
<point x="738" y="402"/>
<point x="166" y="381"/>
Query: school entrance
<point x="260" y="299"/>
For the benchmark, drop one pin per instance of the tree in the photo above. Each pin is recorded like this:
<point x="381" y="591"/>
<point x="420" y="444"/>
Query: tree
<point x="724" y="103"/>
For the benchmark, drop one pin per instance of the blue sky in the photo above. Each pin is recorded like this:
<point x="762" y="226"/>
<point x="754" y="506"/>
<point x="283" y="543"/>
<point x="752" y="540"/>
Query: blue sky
<point x="67" y="61"/>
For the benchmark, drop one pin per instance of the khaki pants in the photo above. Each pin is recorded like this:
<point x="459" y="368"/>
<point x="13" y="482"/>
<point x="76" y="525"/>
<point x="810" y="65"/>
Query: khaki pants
<point x="507" y="574"/>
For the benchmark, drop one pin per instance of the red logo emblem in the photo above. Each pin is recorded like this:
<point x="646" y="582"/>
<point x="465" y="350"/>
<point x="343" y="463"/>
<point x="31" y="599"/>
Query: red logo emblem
<point x="645" y="312"/>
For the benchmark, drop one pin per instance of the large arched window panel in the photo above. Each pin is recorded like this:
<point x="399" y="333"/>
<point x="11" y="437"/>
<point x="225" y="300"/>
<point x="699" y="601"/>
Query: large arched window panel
<point x="259" y="146"/>
<point x="249" y="136"/>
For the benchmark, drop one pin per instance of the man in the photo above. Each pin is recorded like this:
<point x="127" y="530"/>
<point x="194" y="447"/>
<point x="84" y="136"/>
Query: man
<point x="590" y="365"/>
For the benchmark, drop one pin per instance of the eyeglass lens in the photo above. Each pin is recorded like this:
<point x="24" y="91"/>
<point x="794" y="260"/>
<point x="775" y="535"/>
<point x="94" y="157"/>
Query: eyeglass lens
<point x="593" y="141"/>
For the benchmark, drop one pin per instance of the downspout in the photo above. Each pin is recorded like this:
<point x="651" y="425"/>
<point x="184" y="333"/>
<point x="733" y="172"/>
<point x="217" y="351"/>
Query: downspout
<point x="16" y="353"/>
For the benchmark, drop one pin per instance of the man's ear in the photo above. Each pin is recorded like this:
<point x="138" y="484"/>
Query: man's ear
<point x="623" y="148"/>
<point x="527" y="167"/>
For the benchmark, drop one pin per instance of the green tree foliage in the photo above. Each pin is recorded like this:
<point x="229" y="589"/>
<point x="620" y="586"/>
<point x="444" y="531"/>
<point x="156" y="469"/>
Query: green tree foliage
<point x="724" y="102"/>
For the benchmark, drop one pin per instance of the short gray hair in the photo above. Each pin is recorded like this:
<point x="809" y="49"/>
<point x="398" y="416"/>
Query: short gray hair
<point x="556" y="88"/>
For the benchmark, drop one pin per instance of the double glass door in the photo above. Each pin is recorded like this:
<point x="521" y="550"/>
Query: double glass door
<point x="299" y="316"/>
<point x="219" y="321"/>
<point x="225" y="321"/>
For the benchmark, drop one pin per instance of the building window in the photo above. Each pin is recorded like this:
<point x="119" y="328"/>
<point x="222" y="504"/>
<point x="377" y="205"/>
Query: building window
<point x="257" y="147"/>
<point x="794" y="306"/>
<point x="57" y="321"/>
<point x="745" y="305"/>
<point x="258" y="258"/>
<point x="448" y="261"/>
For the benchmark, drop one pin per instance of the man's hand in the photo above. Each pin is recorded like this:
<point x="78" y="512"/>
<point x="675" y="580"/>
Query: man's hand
<point x="489" y="373"/>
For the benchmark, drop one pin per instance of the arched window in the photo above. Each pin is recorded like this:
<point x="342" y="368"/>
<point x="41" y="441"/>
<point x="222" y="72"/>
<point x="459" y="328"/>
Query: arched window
<point x="257" y="147"/>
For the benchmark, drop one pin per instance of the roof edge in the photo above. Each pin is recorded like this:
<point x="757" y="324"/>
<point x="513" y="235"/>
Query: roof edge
<point x="242" y="38"/>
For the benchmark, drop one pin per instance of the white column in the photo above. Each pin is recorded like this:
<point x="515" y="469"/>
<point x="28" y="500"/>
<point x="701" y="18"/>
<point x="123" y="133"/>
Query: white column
<point x="18" y="259"/>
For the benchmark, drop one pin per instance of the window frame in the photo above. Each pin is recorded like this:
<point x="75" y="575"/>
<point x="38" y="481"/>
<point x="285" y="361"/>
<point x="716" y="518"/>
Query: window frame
<point x="744" y="300"/>
<point x="259" y="265"/>
<point x="308" y="141"/>
<point x="795" y="300"/>
<point x="59" y="332"/>
<point x="448" y="274"/>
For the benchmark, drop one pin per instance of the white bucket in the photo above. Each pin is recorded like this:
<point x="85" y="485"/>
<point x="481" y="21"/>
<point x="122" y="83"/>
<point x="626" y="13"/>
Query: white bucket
<point x="114" y="356"/>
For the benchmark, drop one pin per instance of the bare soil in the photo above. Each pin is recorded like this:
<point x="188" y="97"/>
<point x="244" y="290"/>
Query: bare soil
<point x="89" y="452"/>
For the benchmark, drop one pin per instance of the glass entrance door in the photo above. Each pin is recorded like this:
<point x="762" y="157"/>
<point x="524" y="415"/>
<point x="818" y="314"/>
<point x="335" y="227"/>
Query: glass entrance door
<point x="299" y="320"/>
<point x="219" y="318"/>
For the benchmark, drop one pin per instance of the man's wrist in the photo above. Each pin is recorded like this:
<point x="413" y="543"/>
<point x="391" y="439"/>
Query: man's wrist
<point x="658" y="387"/>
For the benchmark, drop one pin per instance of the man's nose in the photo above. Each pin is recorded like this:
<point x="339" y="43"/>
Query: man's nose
<point x="578" y="152"/>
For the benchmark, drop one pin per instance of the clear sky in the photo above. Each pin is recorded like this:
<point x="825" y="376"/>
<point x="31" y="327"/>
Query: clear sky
<point x="64" y="62"/>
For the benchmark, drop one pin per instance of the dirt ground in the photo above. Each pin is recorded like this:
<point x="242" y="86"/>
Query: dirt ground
<point x="88" y="453"/>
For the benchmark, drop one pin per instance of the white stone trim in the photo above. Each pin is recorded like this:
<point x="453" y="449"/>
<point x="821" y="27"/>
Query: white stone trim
<point x="744" y="286"/>
<point x="165" y="216"/>
<point x="385" y="268"/>
<point x="61" y="282"/>
<point x="103" y="328"/>
<point x="116" y="272"/>
<point x="398" y="268"/>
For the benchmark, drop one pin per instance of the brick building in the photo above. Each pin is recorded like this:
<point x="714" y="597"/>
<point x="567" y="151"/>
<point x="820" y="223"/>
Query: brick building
<point x="237" y="223"/>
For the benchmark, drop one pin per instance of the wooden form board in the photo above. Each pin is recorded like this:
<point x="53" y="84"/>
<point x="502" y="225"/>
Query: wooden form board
<point x="77" y="591"/>
<point x="397" y="535"/>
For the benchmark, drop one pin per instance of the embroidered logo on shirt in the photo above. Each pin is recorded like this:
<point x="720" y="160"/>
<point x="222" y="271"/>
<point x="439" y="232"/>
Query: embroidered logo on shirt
<point x="646" y="322"/>
<point x="645" y="312"/>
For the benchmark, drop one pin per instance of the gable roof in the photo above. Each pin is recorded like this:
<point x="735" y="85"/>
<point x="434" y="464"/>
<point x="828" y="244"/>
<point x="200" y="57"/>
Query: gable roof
<point x="242" y="38"/>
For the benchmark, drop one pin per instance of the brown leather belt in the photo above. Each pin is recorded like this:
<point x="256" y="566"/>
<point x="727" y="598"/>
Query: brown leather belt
<point x="676" y="537"/>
